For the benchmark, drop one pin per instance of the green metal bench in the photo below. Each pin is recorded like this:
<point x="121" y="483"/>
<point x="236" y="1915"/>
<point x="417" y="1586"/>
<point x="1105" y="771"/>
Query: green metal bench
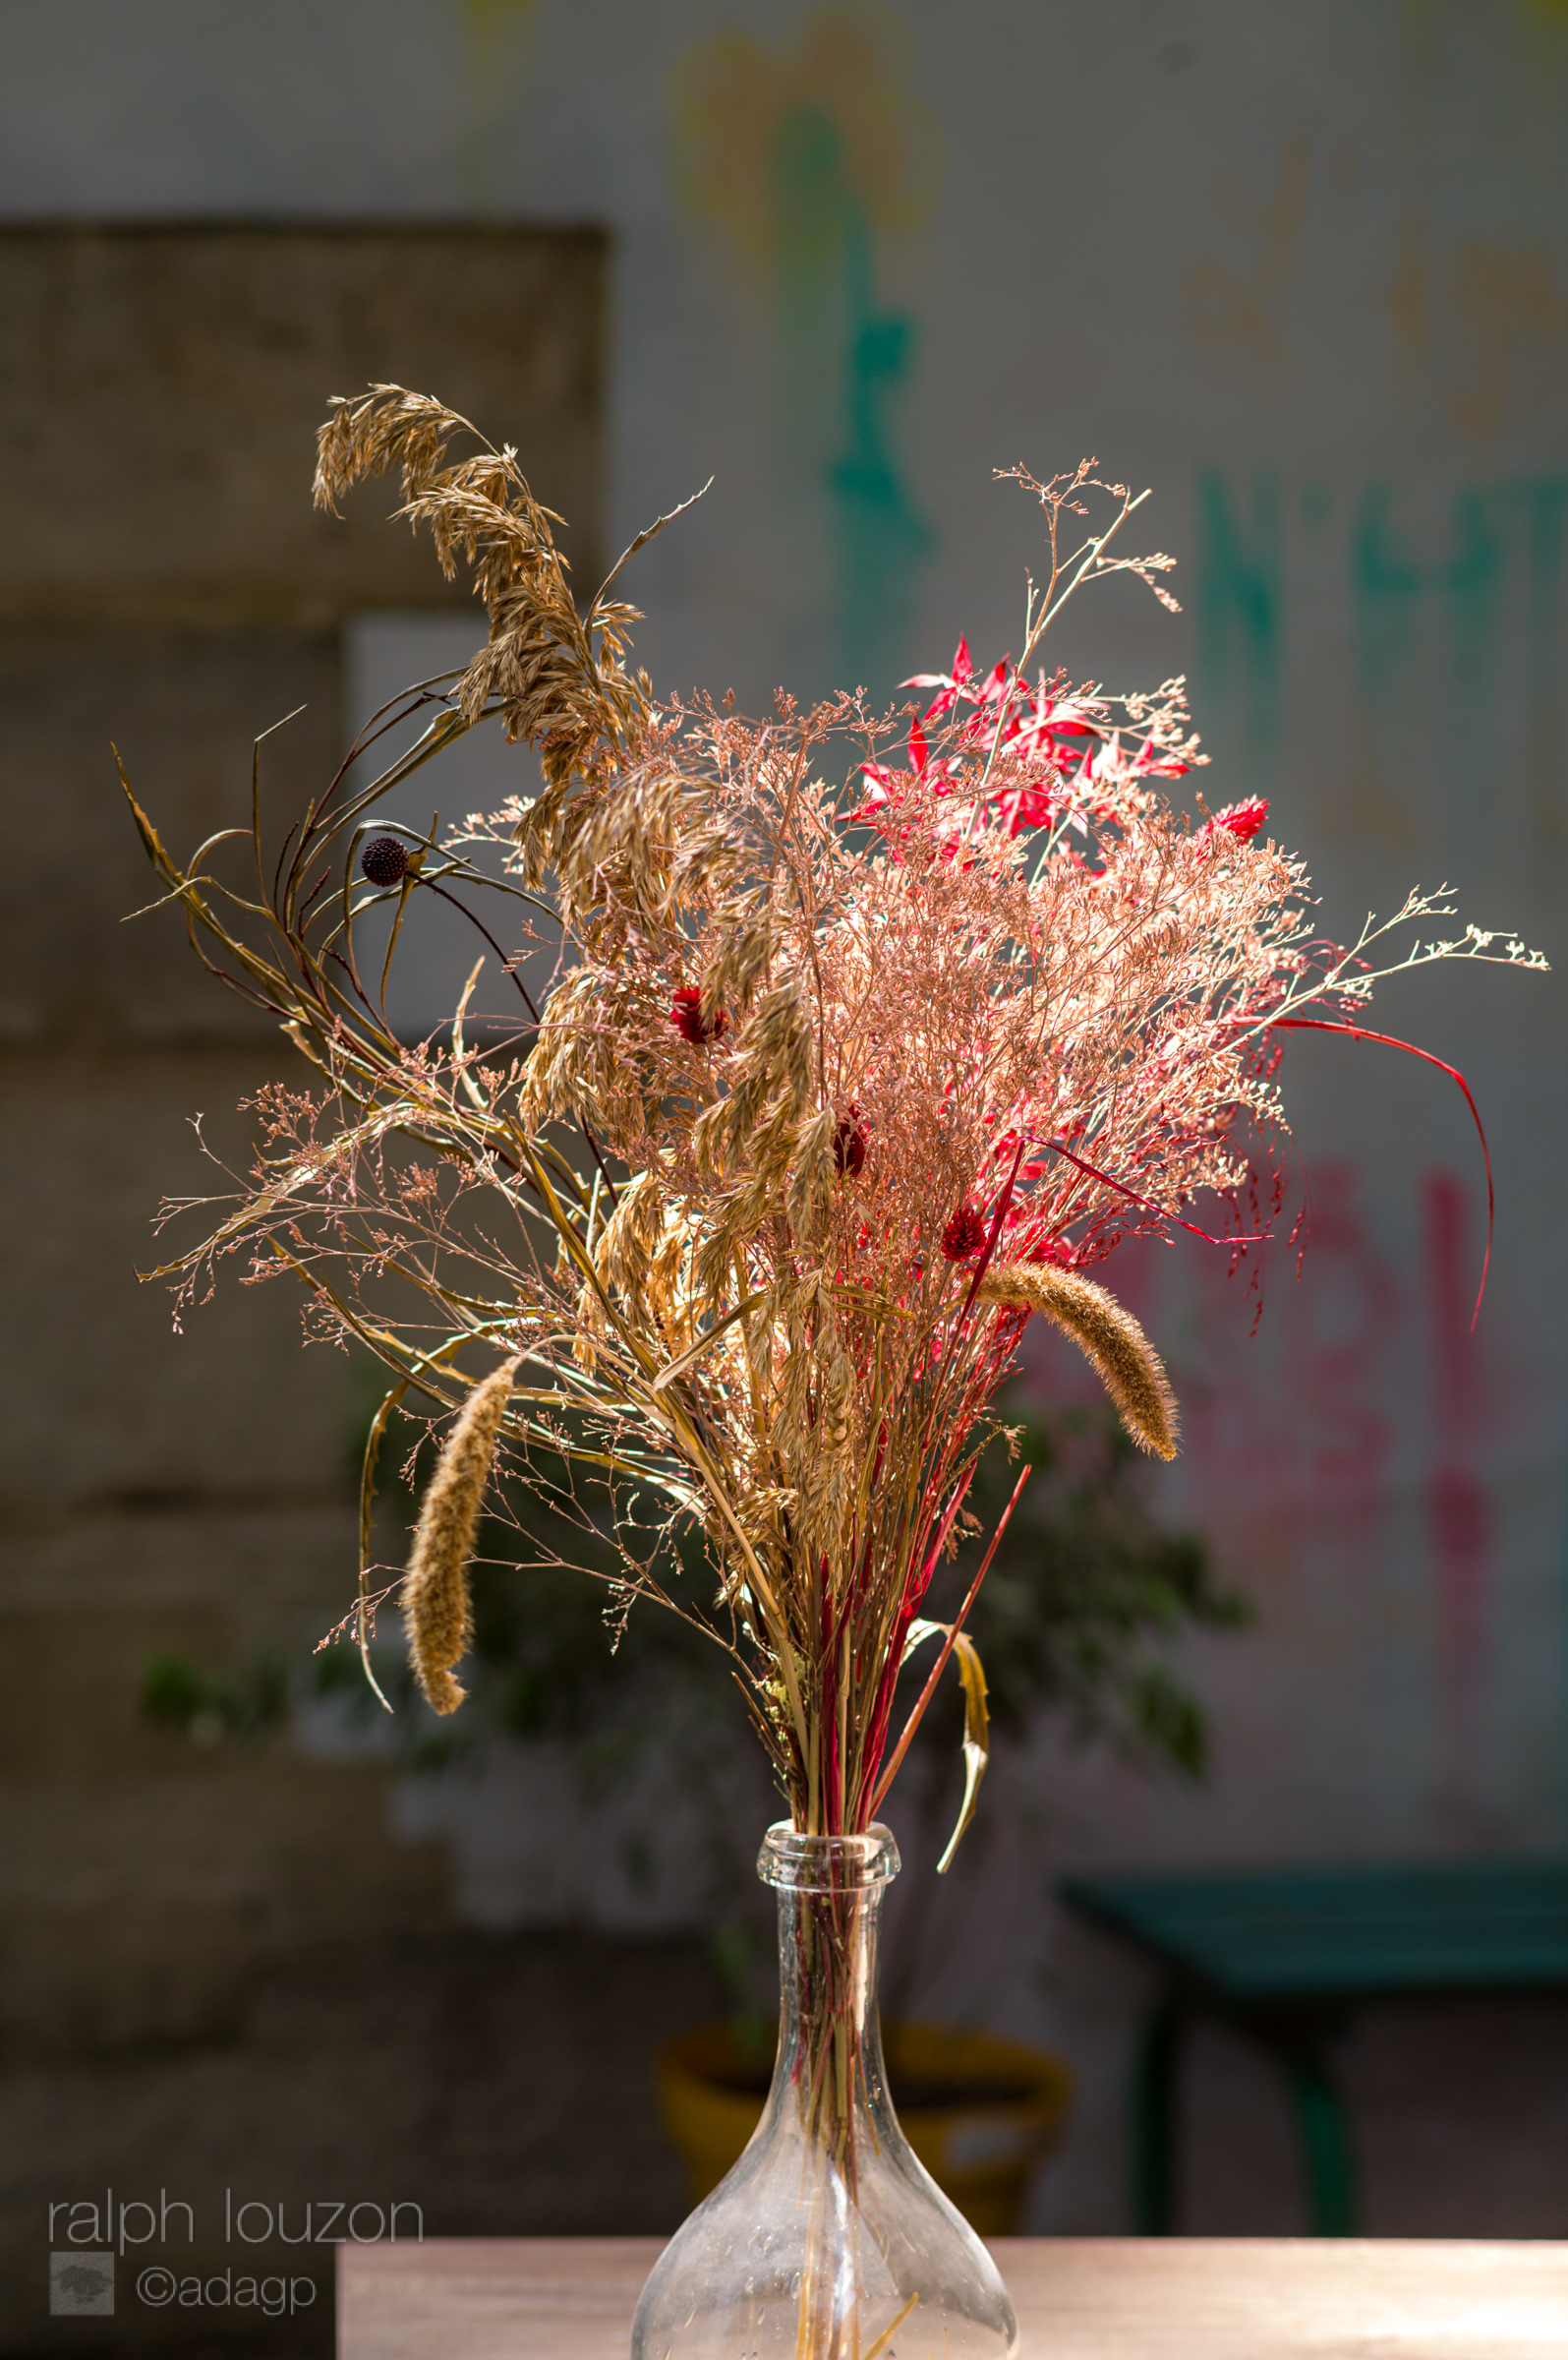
<point x="1286" y="1956"/>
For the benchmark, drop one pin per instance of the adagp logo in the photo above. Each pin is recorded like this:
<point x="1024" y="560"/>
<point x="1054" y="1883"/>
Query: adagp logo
<point x="157" y="2287"/>
<point x="81" y="2285"/>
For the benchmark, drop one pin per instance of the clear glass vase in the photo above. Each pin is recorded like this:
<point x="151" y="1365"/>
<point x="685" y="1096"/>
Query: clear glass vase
<point x="828" y="2240"/>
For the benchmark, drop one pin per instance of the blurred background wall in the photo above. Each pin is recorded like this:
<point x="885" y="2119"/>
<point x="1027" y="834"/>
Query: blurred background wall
<point x="1302" y="272"/>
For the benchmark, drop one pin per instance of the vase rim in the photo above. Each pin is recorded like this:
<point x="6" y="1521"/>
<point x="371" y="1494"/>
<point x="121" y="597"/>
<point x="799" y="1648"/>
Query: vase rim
<point x="805" y="1863"/>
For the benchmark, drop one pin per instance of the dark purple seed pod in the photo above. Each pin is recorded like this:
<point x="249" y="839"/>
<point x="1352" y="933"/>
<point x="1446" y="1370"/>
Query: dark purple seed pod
<point x="384" y="861"/>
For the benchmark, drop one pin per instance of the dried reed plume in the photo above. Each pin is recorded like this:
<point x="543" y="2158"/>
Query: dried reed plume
<point x="435" y="1604"/>
<point x="1106" y="1333"/>
<point x="837" y="1003"/>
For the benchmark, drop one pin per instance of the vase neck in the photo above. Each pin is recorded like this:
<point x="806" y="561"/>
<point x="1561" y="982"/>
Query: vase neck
<point x="830" y="1908"/>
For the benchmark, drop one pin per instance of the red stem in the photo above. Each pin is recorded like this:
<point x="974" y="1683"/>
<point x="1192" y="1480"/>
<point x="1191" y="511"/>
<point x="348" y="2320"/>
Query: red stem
<point x="1391" y="1040"/>
<point x="983" y="1264"/>
<point x="1122" y="1190"/>
<point x="881" y="1709"/>
<point x="954" y="1628"/>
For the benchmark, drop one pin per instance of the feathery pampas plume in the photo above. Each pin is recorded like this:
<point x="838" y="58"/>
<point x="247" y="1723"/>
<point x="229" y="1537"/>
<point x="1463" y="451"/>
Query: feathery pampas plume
<point x="1108" y="1336"/>
<point x="435" y="1586"/>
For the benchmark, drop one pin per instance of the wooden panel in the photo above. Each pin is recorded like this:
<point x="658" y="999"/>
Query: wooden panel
<point x="550" y="2298"/>
<point x="161" y="389"/>
<point x="1077" y="2299"/>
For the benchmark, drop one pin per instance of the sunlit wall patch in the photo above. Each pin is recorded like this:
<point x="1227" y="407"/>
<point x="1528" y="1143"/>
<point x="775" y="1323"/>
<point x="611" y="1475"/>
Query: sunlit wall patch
<point x="810" y="161"/>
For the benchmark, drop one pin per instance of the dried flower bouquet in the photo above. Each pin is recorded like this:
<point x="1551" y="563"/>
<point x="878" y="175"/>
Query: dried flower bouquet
<point x="863" y="1040"/>
<point x="848" y="1065"/>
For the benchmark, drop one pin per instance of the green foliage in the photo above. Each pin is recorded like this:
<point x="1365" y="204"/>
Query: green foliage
<point x="1084" y="1597"/>
<point x="207" y="1707"/>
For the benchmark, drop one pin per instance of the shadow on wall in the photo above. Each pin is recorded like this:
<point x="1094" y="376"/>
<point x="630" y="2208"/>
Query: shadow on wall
<point x="165" y="585"/>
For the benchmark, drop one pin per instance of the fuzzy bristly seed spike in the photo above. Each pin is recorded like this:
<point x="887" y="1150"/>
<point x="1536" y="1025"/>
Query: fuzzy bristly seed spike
<point x="384" y="861"/>
<point x="1108" y="1336"/>
<point x="436" y="1602"/>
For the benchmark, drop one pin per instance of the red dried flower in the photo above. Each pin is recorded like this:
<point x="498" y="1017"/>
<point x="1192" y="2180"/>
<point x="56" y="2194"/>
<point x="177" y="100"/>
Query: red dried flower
<point x="1241" y="820"/>
<point x="965" y="1233"/>
<point x="849" y="1141"/>
<point x="686" y="1014"/>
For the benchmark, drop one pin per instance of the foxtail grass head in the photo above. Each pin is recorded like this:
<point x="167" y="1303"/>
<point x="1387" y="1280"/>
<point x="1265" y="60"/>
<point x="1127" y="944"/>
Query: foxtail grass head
<point x="436" y="1599"/>
<point x="1106" y="1333"/>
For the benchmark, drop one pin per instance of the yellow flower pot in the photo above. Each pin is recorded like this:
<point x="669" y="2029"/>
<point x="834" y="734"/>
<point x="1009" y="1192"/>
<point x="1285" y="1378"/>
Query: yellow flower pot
<point x="979" y="2111"/>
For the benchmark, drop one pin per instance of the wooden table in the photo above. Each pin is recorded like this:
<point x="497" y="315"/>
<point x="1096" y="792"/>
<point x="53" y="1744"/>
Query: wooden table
<point x="1286" y="1955"/>
<point x="1112" y="2298"/>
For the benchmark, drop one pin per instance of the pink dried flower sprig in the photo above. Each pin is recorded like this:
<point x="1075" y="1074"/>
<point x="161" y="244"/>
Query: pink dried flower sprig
<point x="850" y="1066"/>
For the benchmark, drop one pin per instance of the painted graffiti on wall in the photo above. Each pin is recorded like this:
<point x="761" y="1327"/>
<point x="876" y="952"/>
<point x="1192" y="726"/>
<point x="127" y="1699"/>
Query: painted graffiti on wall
<point x="810" y="161"/>
<point x="1483" y="319"/>
<point x="1453" y="573"/>
<point x="1422" y="609"/>
<point x="1230" y="303"/>
<point x="495" y="42"/>
<point x="1471" y="604"/>
<point x="1347" y="1432"/>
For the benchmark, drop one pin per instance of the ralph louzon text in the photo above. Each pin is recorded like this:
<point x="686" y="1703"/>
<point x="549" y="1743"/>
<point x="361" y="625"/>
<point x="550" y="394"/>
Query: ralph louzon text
<point x="109" y="2223"/>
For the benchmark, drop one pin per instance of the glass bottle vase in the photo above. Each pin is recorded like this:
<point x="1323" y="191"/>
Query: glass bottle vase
<point x="829" y="2240"/>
